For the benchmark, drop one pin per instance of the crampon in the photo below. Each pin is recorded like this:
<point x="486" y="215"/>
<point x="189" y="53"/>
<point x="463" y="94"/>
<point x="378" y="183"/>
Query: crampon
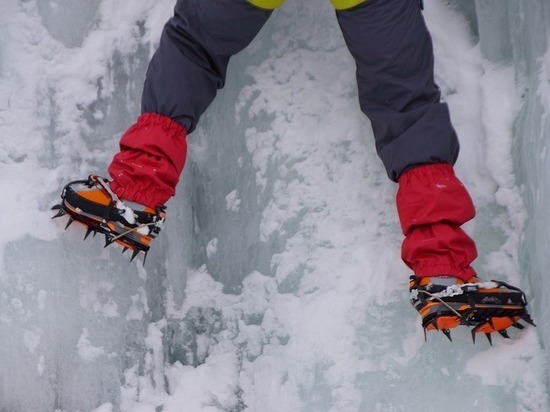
<point x="92" y="203"/>
<point x="484" y="306"/>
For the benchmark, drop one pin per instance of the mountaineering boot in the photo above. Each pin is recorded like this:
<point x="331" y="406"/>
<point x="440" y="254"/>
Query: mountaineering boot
<point x="92" y="203"/>
<point x="487" y="306"/>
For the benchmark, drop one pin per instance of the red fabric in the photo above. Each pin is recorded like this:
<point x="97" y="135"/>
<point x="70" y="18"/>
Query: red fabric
<point x="432" y="205"/>
<point x="151" y="159"/>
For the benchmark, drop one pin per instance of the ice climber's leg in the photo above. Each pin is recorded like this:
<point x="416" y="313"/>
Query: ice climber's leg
<point x="418" y="146"/>
<point x="182" y="80"/>
<point x="414" y="136"/>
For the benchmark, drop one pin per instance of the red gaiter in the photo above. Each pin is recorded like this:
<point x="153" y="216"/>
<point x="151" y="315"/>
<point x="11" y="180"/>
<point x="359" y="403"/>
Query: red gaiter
<point x="151" y="159"/>
<point x="432" y="205"/>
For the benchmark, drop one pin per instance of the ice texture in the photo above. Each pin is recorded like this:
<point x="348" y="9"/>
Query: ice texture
<point x="276" y="284"/>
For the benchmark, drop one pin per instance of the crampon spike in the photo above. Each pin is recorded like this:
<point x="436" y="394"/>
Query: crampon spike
<point x="134" y="254"/>
<point x="433" y="323"/>
<point x="489" y="338"/>
<point x="425" y="334"/>
<point x="60" y="211"/>
<point x="518" y="325"/>
<point x="528" y="319"/>
<point x="88" y="231"/>
<point x="475" y="331"/>
<point x="124" y="249"/>
<point x="144" y="257"/>
<point x="447" y="333"/>
<point x="108" y="240"/>
<point x="69" y="222"/>
<point x="504" y="334"/>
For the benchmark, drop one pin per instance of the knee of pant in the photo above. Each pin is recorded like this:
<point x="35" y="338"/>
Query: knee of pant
<point x="267" y="4"/>
<point x="346" y="4"/>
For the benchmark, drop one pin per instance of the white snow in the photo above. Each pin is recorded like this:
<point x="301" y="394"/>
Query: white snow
<point x="86" y="350"/>
<point x="276" y="284"/>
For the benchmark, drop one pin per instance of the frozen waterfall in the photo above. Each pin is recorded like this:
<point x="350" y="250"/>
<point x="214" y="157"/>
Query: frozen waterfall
<point x="276" y="285"/>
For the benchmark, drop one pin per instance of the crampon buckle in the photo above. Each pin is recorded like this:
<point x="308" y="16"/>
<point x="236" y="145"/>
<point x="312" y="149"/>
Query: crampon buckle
<point x="485" y="307"/>
<point x="92" y="203"/>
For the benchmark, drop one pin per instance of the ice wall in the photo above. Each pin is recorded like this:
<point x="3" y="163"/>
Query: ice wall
<point x="276" y="285"/>
<point x="530" y="38"/>
<point x="518" y="33"/>
<point x="70" y="323"/>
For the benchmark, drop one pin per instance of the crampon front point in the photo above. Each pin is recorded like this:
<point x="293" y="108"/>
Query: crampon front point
<point x="484" y="306"/>
<point x="92" y="203"/>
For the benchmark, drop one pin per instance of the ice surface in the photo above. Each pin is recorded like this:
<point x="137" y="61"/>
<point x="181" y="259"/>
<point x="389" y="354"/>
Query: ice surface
<point x="276" y="284"/>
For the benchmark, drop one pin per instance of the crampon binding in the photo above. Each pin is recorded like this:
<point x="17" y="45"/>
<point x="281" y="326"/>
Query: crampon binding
<point x="92" y="203"/>
<point x="483" y="306"/>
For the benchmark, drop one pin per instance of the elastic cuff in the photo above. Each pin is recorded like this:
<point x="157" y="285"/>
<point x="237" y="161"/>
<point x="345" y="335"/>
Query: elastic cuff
<point x="427" y="173"/>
